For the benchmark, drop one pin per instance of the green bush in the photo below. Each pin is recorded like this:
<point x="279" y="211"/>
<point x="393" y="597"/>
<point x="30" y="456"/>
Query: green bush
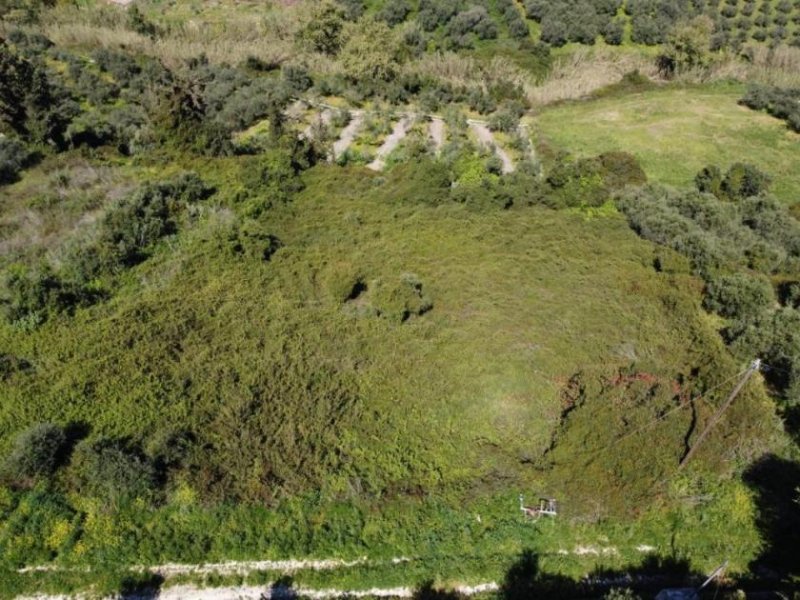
<point x="36" y="453"/>
<point x="112" y="472"/>
<point x="744" y="180"/>
<point x="401" y="300"/>
<point x="13" y="157"/>
<point x="739" y="296"/>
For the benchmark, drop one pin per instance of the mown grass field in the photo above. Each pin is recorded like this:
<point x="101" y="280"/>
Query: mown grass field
<point x="676" y="131"/>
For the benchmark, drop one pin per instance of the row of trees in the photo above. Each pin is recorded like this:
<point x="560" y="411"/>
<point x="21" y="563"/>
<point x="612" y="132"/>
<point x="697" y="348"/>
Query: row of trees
<point x="582" y="21"/>
<point x="783" y="103"/>
<point x="132" y="103"/>
<point x="746" y="246"/>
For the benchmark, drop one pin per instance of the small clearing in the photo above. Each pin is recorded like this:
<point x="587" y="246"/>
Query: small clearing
<point x="348" y="134"/>
<point x="436" y="130"/>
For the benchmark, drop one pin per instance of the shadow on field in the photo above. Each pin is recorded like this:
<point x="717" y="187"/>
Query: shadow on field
<point x="141" y="587"/>
<point x="427" y="592"/>
<point x="282" y="589"/>
<point x="526" y="581"/>
<point x="776" y="482"/>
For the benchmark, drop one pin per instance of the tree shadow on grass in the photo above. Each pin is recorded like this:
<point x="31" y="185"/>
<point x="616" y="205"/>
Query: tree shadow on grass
<point x="776" y="482"/>
<point x="525" y="579"/>
<point x="146" y="586"/>
<point x="282" y="589"/>
<point x="426" y="591"/>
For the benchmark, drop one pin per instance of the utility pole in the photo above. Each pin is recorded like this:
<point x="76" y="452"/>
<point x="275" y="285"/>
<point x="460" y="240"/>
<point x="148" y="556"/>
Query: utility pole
<point x="754" y="366"/>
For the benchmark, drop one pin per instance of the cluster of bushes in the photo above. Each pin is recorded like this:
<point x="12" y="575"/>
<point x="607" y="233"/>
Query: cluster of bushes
<point x="132" y="103"/>
<point x="33" y="103"/>
<point x="516" y="25"/>
<point x="13" y="157"/>
<point x="113" y="471"/>
<point x="781" y="103"/>
<point x="582" y="21"/>
<point x="739" y="240"/>
<point x="587" y="182"/>
<point x="652" y="20"/>
<point x="125" y="237"/>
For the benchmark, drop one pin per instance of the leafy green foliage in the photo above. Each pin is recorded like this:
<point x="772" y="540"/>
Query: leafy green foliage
<point x="323" y="30"/>
<point x="112" y="472"/>
<point x="369" y="53"/>
<point x="688" y="46"/>
<point x="36" y="453"/>
<point x="13" y="157"/>
<point x="779" y="102"/>
<point x="739" y="296"/>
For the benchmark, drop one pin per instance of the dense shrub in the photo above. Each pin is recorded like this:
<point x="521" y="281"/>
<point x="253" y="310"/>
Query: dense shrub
<point x="137" y="222"/>
<point x="112" y="472"/>
<point x="369" y="54"/>
<point x="688" y="46"/>
<point x="437" y="13"/>
<point x="739" y="296"/>
<point x="474" y="21"/>
<point x="322" y="32"/>
<point x="505" y="120"/>
<point x="30" y="294"/>
<point x="783" y="103"/>
<point x="742" y="180"/>
<point x="33" y="101"/>
<point x="36" y="453"/>
<point x="13" y="156"/>
<point x="775" y="337"/>
<point x="394" y="12"/>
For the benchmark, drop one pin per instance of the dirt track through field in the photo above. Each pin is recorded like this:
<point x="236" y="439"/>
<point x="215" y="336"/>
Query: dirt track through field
<point x="486" y="138"/>
<point x="390" y="143"/>
<point x="267" y="592"/>
<point x="348" y="133"/>
<point x="436" y="129"/>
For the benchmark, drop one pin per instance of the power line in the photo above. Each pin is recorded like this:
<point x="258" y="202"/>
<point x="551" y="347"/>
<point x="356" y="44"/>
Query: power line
<point x="665" y="415"/>
<point x="754" y="366"/>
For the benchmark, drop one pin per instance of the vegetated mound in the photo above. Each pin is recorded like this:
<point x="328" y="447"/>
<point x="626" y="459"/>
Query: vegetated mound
<point x="385" y="349"/>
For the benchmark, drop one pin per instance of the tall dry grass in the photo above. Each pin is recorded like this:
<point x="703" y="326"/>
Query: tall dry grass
<point x="586" y="70"/>
<point x="268" y="37"/>
<point x="459" y="70"/>
<point x="779" y="66"/>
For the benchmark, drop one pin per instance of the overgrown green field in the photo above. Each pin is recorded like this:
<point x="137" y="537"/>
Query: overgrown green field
<point x="417" y="434"/>
<point x="676" y="131"/>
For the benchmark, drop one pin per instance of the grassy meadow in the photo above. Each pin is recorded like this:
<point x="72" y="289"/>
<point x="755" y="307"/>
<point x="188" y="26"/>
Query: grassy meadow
<point x="676" y="131"/>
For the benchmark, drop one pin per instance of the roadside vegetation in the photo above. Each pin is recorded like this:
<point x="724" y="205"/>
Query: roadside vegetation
<point x="221" y="339"/>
